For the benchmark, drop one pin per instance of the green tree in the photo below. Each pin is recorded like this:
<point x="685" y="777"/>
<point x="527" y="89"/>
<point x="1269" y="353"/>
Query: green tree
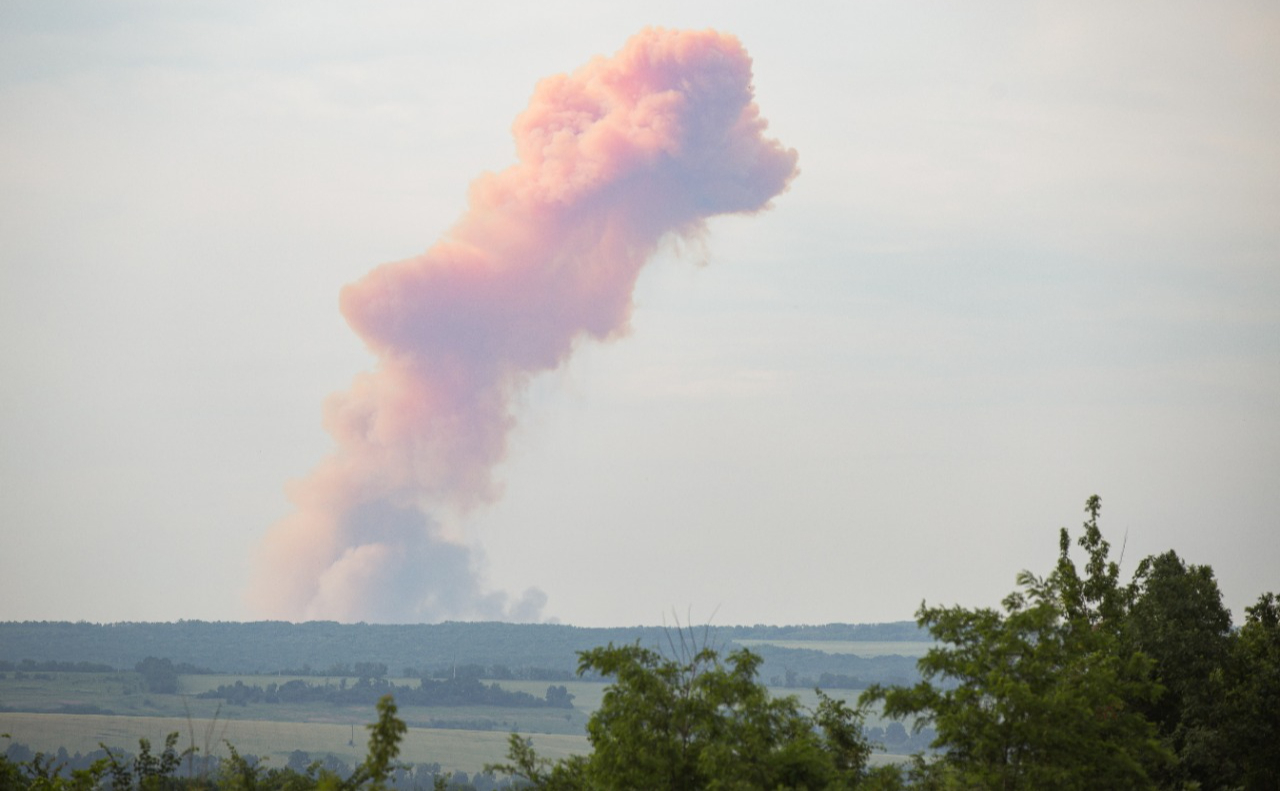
<point x="158" y="675"/>
<point x="384" y="745"/>
<point x="1253" y="697"/>
<point x="1177" y="619"/>
<point x="700" y="723"/>
<point x="41" y="773"/>
<point x="1040" y="693"/>
<point x="152" y="772"/>
<point x="238" y="773"/>
<point x="11" y="774"/>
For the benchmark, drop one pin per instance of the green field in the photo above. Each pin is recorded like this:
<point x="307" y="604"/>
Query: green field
<point x="118" y="693"/>
<point x="455" y="750"/>
<point x="458" y="737"/>
<point x="465" y="737"/>
<point x="115" y="691"/>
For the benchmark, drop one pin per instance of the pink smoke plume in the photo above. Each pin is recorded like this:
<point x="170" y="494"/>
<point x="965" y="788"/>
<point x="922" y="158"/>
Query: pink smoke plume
<point x="613" y="158"/>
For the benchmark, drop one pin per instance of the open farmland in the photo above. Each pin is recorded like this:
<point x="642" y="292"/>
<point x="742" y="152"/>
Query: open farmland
<point x="118" y="694"/>
<point x="47" y="707"/>
<point x="454" y="749"/>
<point x="57" y="710"/>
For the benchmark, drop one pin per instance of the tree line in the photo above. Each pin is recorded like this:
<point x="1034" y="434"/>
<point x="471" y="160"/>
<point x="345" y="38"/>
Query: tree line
<point x="53" y="666"/>
<point x="1081" y="680"/>
<point x="1078" y="681"/>
<point x="320" y="648"/>
<point x="464" y="691"/>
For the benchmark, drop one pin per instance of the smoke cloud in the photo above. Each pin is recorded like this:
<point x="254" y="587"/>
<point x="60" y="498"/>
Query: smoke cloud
<point x="613" y="159"/>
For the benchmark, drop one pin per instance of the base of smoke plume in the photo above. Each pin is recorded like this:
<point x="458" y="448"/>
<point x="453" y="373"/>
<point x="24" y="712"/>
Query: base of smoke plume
<point x="397" y="566"/>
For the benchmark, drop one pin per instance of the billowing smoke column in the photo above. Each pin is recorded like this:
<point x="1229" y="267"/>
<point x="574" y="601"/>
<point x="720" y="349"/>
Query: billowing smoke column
<point x="612" y="159"/>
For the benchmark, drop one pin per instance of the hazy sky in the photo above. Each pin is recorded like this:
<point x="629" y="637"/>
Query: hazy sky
<point x="1033" y="254"/>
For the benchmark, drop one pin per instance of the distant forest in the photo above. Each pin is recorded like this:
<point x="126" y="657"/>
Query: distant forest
<point x="367" y="691"/>
<point x="487" y="650"/>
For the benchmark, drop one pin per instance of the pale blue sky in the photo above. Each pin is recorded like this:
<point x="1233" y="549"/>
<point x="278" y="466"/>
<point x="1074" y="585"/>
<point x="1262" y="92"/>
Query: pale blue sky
<point x="1033" y="254"/>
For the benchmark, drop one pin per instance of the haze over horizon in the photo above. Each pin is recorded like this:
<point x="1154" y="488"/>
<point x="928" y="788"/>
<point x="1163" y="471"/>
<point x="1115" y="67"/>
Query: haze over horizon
<point x="1032" y="255"/>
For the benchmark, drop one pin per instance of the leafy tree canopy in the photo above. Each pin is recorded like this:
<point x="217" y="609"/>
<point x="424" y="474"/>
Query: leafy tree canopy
<point x="697" y="722"/>
<point x="1038" y="694"/>
<point x="1081" y="682"/>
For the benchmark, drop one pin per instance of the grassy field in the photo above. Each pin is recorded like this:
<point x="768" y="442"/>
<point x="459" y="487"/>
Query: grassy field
<point x="863" y="648"/>
<point x="455" y="750"/>
<point x="53" y="690"/>
<point x="458" y="737"/>
<point x="118" y="694"/>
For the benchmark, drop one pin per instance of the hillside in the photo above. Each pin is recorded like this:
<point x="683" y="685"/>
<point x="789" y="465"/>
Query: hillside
<point x="501" y="649"/>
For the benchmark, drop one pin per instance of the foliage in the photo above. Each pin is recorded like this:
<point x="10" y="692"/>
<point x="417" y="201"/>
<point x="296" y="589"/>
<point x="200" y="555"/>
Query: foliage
<point x="52" y="665"/>
<point x="153" y="772"/>
<point x="159" y="772"/>
<point x="238" y="773"/>
<point x="1253" y="697"/>
<point x="158" y="675"/>
<point x="384" y="743"/>
<point x="1177" y="619"/>
<point x="1082" y="682"/>
<point x="1041" y="694"/>
<point x="527" y="767"/>
<point x="696" y="722"/>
